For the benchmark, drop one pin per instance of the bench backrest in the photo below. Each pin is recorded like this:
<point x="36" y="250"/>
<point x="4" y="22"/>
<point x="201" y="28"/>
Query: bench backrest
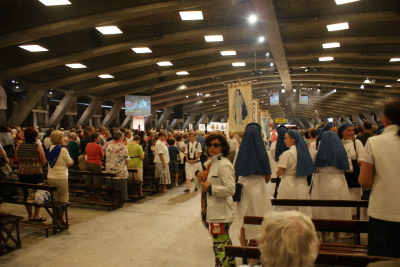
<point x="320" y="203"/>
<point x="29" y="186"/>
<point x="324" y="257"/>
<point x="325" y="225"/>
<point x="102" y="174"/>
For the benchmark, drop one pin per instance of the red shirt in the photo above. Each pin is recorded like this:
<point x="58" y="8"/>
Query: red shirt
<point x="94" y="153"/>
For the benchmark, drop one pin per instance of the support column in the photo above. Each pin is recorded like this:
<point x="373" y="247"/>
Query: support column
<point x="112" y="113"/>
<point x="126" y="121"/>
<point x="359" y="121"/>
<point x="3" y="119"/>
<point x="301" y="124"/>
<point x="35" y="119"/>
<point x="213" y="118"/>
<point x="224" y="118"/>
<point x="164" y="116"/>
<point x="202" y="118"/>
<point x="61" y="109"/>
<point x="336" y="119"/>
<point x="369" y="117"/>
<point x="25" y="106"/>
<point x="347" y="119"/>
<point x="190" y="117"/>
<point x="88" y="113"/>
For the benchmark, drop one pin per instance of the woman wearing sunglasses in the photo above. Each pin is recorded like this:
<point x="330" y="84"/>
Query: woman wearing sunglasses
<point x="218" y="187"/>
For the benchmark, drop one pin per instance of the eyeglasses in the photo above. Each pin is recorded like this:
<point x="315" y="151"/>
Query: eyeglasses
<point x="215" y="145"/>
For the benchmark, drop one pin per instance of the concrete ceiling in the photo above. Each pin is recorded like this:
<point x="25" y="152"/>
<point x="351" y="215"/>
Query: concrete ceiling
<point x="294" y="33"/>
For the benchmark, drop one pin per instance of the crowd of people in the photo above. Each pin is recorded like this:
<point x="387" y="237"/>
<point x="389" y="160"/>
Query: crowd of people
<point x="327" y="162"/>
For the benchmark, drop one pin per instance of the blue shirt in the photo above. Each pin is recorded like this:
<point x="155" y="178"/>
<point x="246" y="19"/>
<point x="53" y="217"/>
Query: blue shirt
<point x="173" y="153"/>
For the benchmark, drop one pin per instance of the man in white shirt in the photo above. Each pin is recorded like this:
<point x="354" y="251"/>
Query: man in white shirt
<point x="193" y="163"/>
<point x="161" y="160"/>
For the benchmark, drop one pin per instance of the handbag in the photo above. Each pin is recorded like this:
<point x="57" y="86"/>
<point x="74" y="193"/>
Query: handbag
<point x="238" y="190"/>
<point x="82" y="164"/>
<point x="42" y="197"/>
<point x="352" y="177"/>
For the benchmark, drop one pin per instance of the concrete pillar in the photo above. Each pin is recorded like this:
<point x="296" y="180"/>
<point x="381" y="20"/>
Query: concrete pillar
<point x="25" y="106"/>
<point x="224" y="118"/>
<point x="359" y="121"/>
<point x="126" y="122"/>
<point x="112" y="113"/>
<point x="173" y="124"/>
<point x="88" y="113"/>
<point x="347" y="119"/>
<point x="91" y="121"/>
<point x="164" y="116"/>
<point x="301" y="123"/>
<point x="3" y="119"/>
<point x="213" y="118"/>
<point x="68" y="100"/>
<point x="190" y="117"/>
<point x="369" y="117"/>
<point x="35" y="119"/>
<point x="336" y="120"/>
<point x="203" y="117"/>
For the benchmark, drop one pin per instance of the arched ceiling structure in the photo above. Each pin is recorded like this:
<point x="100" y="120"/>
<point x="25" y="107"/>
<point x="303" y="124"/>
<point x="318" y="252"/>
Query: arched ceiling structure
<point x="294" y="32"/>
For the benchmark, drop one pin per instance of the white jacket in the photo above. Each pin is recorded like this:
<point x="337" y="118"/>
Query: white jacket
<point x="221" y="177"/>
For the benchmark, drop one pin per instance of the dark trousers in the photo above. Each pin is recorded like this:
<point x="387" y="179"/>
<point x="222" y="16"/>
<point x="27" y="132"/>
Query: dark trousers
<point x="383" y="238"/>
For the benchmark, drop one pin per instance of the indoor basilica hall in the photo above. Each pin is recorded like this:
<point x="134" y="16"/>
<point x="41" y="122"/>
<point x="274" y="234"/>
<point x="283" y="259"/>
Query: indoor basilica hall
<point x="226" y="133"/>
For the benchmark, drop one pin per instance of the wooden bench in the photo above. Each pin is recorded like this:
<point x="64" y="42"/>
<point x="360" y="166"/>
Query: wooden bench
<point x="108" y="196"/>
<point x="324" y="257"/>
<point x="9" y="233"/>
<point x="57" y="211"/>
<point x="358" y="204"/>
<point x="151" y="184"/>
<point x="133" y="187"/>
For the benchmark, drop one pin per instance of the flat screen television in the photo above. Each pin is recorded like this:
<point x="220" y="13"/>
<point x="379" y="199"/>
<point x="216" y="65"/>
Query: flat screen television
<point x="137" y="105"/>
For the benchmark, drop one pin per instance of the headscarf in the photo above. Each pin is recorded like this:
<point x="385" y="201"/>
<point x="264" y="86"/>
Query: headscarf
<point x="331" y="152"/>
<point x="305" y="165"/>
<point x="252" y="158"/>
<point x="52" y="156"/>
<point x="280" y="144"/>
<point x="326" y="128"/>
<point x="343" y="127"/>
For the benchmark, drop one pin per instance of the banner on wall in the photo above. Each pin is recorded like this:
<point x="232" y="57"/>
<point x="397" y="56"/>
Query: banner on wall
<point x="240" y="101"/>
<point x="274" y="99"/>
<point x="3" y="98"/>
<point x="216" y="126"/>
<point x="202" y="127"/>
<point x="256" y="113"/>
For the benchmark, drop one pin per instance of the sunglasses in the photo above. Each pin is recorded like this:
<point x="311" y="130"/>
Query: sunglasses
<point x="215" y="145"/>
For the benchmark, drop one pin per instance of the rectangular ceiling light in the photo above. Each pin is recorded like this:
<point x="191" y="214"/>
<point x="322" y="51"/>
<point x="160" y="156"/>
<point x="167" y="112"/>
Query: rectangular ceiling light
<point x="395" y="59"/>
<point x="398" y="80"/>
<point x="238" y="64"/>
<point x="55" y="2"/>
<point x="388" y="86"/>
<point x="331" y="45"/>
<point x="142" y="50"/>
<point x="214" y="38"/>
<point x="341" y="2"/>
<point x="76" y="66"/>
<point x="33" y="48"/>
<point x="164" y="63"/>
<point x="109" y="30"/>
<point x="106" y="76"/>
<point x="182" y="73"/>
<point x="228" y="53"/>
<point x="191" y="15"/>
<point x="325" y="58"/>
<point x="338" y="26"/>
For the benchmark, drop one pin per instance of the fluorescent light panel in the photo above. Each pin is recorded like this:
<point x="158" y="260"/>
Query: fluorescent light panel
<point x="388" y="86"/>
<point x="191" y="15"/>
<point x="228" y="53"/>
<point x="142" y="50"/>
<point x="326" y="58"/>
<point x="238" y="64"/>
<point x="342" y="2"/>
<point x="106" y="76"/>
<point x="395" y="59"/>
<point x="182" y="73"/>
<point x="331" y="45"/>
<point x="338" y="26"/>
<point x="109" y="30"/>
<point x="33" y="48"/>
<point x="164" y="63"/>
<point x="55" y="2"/>
<point x="76" y="66"/>
<point x="398" y="80"/>
<point x="213" y="38"/>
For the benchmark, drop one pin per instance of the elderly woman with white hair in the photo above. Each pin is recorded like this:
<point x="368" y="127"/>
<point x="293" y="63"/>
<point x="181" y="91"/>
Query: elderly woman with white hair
<point x="288" y="239"/>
